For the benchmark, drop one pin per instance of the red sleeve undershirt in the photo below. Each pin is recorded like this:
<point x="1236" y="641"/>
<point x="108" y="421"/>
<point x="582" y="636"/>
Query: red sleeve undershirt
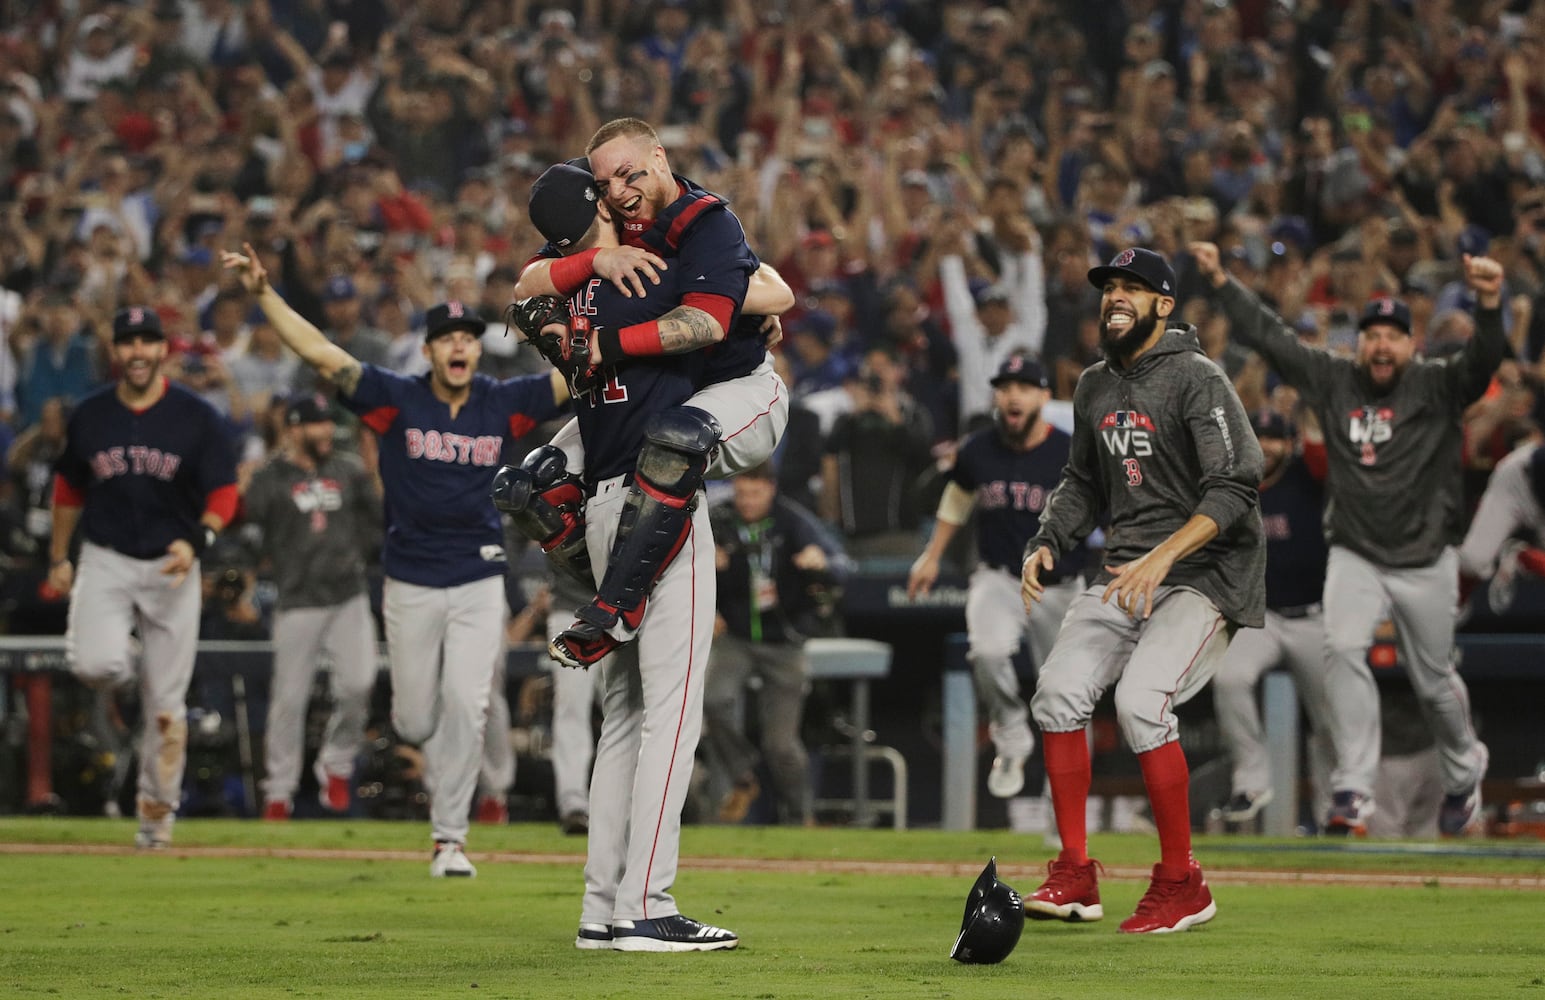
<point x="644" y="338"/>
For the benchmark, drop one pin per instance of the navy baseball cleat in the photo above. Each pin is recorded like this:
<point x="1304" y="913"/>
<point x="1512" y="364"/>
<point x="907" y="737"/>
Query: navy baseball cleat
<point x="672" y="933"/>
<point x="1349" y="812"/>
<point x="593" y="937"/>
<point x="1460" y="814"/>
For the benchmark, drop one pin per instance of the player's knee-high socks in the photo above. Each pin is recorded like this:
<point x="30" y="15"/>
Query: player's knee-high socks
<point x="1068" y="771"/>
<point x="1167" y="779"/>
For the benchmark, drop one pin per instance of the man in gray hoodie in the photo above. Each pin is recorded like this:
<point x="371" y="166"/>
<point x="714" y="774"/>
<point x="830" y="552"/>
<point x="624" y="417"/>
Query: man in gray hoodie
<point x="1393" y="435"/>
<point x="1161" y="442"/>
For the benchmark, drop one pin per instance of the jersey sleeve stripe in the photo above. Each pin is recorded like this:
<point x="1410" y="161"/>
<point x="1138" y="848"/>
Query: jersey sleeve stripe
<point x="520" y="425"/>
<point x="380" y="418"/>
<point x="684" y="220"/>
<point x="65" y="493"/>
<point x="221" y="502"/>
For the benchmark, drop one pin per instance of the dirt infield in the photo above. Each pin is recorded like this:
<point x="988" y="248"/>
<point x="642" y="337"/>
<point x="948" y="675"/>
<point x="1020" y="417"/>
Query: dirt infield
<point x="944" y="869"/>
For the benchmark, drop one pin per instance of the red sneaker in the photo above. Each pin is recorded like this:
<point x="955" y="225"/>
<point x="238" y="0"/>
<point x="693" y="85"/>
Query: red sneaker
<point x="278" y="811"/>
<point x="1071" y="892"/>
<point x="1172" y="904"/>
<point x="334" y="795"/>
<point x="492" y="811"/>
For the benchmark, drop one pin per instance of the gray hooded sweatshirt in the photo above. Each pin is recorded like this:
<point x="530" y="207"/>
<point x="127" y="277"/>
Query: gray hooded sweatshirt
<point x="1394" y="485"/>
<point x="1154" y="445"/>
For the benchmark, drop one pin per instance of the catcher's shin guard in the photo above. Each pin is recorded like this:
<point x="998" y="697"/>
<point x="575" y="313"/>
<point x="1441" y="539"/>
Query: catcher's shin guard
<point x="657" y="515"/>
<point x="547" y="504"/>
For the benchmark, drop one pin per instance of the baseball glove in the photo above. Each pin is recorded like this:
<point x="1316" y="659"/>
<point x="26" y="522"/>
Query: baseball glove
<point x="569" y="352"/>
<point x="531" y="316"/>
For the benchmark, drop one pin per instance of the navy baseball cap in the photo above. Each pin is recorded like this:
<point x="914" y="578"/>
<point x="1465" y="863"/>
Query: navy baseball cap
<point x="1021" y="368"/>
<point x="1391" y="311"/>
<point x="338" y="288"/>
<point x="310" y="408"/>
<point x="137" y="321"/>
<point x="1271" y="424"/>
<point x="563" y="203"/>
<point x="453" y="315"/>
<point x="1135" y="262"/>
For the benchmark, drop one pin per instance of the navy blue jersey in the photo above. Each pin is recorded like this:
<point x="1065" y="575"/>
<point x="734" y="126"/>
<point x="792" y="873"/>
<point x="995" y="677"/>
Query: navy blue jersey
<point x="1292" y="512"/>
<point x="441" y="527"/>
<point x="145" y="475"/>
<point x="702" y="239"/>
<point x="612" y="417"/>
<point x="1011" y="488"/>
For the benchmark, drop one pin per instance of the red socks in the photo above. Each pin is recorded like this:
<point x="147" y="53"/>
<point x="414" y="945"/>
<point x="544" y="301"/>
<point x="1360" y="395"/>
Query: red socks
<point x="1168" y="780"/>
<point x="1067" y="770"/>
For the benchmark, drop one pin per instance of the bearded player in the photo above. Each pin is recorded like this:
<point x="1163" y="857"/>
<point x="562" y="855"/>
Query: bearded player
<point x="1004" y="473"/>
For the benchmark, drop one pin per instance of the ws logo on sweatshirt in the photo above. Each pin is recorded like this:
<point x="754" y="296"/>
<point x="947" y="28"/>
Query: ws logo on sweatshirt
<point x="1127" y="433"/>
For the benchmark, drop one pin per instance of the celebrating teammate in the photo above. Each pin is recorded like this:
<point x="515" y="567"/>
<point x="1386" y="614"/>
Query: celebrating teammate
<point x="1292" y="502"/>
<point x="1507" y="533"/>
<point x="319" y="511"/>
<point x="441" y="435"/>
<point x="1393" y="436"/>
<point x="632" y="422"/>
<point x="1005" y="472"/>
<point x="741" y="401"/>
<point x="148" y="474"/>
<point x="1162" y="443"/>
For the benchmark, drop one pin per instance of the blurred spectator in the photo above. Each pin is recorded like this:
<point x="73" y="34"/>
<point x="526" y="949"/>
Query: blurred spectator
<point x="777" y="569"/>
<point x="874" y="455"/>
<point x="62" y="362"/>
<point x="344" y="325"/>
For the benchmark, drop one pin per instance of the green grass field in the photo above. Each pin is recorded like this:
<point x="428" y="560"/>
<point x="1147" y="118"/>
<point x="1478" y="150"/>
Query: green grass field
<point x="855" y="914"/>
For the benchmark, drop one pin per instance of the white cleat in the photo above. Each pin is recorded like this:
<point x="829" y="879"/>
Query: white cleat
<point x="1007" y="778"/>
<point x="450" y="861"/>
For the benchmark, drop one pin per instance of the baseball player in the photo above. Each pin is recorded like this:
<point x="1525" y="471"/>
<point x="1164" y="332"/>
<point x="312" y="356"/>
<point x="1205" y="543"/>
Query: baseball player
<point x="633" y="424"/>
<point x="440" y="434"/>
<point x="148" y="474"/>
<point x="1292" y="504"/>
<point x="1392" y="425"/>
<point x="1508" y="529"/>
<point x="1162" y="443"/>
<point x="740" y="392"/>
<point x="1005" y="473"/>
<point x="319" y="512"/>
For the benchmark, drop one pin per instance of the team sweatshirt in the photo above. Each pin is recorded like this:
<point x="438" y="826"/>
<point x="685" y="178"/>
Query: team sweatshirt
<point x="1155" y="445"/>
<point x="1394" y="492"/>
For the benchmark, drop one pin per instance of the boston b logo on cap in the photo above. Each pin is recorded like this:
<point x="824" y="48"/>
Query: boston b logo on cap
<point x="1134" y="262"/>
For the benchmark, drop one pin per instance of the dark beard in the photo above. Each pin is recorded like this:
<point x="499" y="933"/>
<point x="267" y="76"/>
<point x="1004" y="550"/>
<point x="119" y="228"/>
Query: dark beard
<point x="315" y="450"/>
<point x="1142" y="329"/>
<point x="1009" y="437"/>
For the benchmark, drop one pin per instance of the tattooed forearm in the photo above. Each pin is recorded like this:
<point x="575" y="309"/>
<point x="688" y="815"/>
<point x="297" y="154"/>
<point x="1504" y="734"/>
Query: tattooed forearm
<point x="686" y="328"/>
<point x="346" y="378"/>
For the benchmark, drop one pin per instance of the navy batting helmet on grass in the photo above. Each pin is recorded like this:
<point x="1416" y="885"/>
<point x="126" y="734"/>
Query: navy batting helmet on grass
<point x="994" y="919"/>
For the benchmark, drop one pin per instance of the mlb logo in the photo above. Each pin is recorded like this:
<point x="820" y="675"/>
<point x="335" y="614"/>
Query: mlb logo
<point x="1125" y="418"/>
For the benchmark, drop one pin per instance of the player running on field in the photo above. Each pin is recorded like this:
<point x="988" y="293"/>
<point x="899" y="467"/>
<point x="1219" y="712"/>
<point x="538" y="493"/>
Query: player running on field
<point x="1161" y="442"/>
<point x="1005" y="473"/>
<point x="149" y="475"/>
<point x="1393" y="435"/>
<point x="441" y="435"/>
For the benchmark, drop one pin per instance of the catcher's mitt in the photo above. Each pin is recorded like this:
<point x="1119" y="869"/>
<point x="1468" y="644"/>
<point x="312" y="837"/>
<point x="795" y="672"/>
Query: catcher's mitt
<point x="530" y="316"/>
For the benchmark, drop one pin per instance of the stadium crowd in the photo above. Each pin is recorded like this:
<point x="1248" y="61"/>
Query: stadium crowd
<point x="934" y="180"/>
